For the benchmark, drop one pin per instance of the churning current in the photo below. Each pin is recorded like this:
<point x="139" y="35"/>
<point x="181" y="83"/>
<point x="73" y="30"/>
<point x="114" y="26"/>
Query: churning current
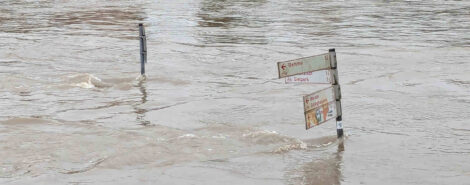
<point x="211" y="110"/>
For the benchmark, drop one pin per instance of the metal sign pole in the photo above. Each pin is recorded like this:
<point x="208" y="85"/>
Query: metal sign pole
<point x="143" y="48"/>
<point x="339" y="124"/>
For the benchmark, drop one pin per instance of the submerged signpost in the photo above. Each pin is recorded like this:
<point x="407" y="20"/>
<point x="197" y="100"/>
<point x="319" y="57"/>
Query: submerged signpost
<point x="143" y="48"/>
<point x="322" y="105"/>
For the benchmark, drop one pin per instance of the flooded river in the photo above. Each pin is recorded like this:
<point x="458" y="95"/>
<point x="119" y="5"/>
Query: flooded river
<point x="73" y="109"/>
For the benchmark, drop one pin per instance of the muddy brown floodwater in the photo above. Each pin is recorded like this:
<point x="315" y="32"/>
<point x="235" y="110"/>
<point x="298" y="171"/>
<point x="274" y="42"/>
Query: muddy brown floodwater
<point x="212" y="111"/>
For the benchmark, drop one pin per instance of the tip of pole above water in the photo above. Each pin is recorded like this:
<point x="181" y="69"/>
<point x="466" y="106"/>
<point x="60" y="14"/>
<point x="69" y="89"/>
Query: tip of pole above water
<point x="331" y="50"/>
<point x="143" y="48"/>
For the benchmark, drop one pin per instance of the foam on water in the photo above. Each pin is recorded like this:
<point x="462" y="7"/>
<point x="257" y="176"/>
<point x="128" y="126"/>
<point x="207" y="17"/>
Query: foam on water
<point x="87" y="81"/>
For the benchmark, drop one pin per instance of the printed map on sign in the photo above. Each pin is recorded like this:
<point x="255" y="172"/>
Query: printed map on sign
<point x="317" y="77"/>
<point x="320" y="114"/>
<point x="302" y="65"/>
<point x="320" y="106"/>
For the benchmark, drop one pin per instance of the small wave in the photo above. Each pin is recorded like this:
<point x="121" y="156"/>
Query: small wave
<point x="219" y="136"/>
<point x="462" y="83"/>
<point x="263" y="137"/>
<point x="322" y="141"/>
<point x="86" y="85"/>
<point x="298" y="145"/>
<point x="284" y="143"/>
<point x="258" y="133"/>
<point x="80" y="168"/>
<point x="141" y="78"/>
<point x="87" y="81"/>
<point x="187" y="136"/>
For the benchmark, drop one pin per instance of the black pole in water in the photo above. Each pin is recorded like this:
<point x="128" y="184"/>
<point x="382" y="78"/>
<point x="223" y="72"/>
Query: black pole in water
<point x="339" y="126"/>
<point x="339" y="119"/>
<point x="143" y="48"/>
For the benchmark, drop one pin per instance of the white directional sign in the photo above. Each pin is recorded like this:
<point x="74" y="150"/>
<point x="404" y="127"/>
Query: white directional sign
<point x="302" y="65"/>
<point x="324" y="104"/>
<point x="320" y="114"/>
<point x="319" y="98"/>
<point x="317" y="77"/>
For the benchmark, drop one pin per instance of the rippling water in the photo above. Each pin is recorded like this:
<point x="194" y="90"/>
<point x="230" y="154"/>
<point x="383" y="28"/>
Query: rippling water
<point x="212" y="111"/>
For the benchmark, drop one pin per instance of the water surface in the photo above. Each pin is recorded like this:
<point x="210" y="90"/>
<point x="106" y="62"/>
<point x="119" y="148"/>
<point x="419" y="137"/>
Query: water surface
<point x="212" y="111"/>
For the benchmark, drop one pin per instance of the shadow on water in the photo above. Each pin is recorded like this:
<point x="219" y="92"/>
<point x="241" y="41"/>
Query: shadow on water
<point x="231" y="22"/>
<point x="324" y="171"/>
<point x="141" y="111"/>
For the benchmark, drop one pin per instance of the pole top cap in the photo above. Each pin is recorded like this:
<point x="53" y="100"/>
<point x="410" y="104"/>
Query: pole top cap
<point x="140" y="24"/>
<point x="332" y="50"/>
